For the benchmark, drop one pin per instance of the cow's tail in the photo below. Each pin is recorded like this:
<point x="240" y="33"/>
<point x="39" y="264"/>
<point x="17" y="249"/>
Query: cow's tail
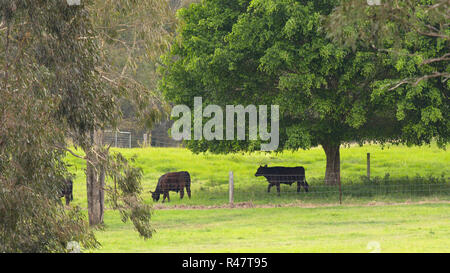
<point x="188" y="184"/>
<point x="306" y="186"/>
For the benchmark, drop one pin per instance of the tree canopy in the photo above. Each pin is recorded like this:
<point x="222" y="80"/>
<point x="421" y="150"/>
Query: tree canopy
<point x="278" y="52"/>
<point x="413" y="38"/>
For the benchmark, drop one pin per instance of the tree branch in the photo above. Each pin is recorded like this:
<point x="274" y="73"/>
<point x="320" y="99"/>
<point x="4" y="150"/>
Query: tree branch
<point x="434" y="75"/>
<point x="70" y="151"/>
<point x="445" y="57"/>
<point x="8" y="29"/>
<point x="416" y="81"/>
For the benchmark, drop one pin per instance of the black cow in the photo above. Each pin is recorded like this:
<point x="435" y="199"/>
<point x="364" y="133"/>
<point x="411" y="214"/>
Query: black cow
<point x="283" y="175"/>
<point x="175" y="181"/>
<point x="66" y="191"/>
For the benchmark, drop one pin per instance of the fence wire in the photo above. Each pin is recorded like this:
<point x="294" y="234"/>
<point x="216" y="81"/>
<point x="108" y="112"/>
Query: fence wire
<point x="255" y="189"/>
<point x="122" y="139"/>
<point x="248" y="188"/>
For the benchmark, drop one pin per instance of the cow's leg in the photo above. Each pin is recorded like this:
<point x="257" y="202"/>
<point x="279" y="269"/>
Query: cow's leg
<point x="270" y="186"/>
<point x="298" y="186"/>
<point x="181" y="192"/>
<point x="188" y="190"/>
<point x="305" y="185"/>
<point x="166" y="194"/>
<point x="278" y="188"/>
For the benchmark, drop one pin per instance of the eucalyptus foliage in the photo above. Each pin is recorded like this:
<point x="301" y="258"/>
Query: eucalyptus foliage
<point x="45" y="82"/>
<point x="55" y="86"/>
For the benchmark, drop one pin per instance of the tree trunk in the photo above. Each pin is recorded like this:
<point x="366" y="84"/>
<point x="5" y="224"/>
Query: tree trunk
<point x="333" y="170"/>
<point x="95" y="182"/>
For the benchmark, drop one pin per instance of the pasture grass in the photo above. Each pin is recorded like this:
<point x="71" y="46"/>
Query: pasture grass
<point x="398" y="173"/>
<point x="397" y="228"/>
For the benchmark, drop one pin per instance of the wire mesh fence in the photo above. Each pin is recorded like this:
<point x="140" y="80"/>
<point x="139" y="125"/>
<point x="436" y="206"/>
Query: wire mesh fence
<point x="216" y="190"/>
<point x="281" y="187"/>
<point x="320" y="188"/>
<point x="118" y="139"/>
<point x="126" y="139"/>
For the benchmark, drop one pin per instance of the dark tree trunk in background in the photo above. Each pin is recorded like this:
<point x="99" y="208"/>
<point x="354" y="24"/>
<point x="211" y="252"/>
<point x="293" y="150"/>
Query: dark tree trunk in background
<point x="95" y="182"/>
<point x="333" y="170"/>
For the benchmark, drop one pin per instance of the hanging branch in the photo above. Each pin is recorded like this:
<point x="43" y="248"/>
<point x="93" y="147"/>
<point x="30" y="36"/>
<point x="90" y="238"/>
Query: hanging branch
<point x="8" y="29"/>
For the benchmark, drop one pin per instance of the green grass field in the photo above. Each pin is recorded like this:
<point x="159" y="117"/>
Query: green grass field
<point x="399" y="228"/>
<point x="291" y="222"/>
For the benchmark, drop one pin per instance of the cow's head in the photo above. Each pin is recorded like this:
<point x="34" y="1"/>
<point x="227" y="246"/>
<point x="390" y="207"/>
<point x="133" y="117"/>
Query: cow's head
<point x="155" y="196"/>
<point x="261" y="170"/>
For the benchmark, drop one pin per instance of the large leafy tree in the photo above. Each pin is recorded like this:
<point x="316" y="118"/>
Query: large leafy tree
<point x="413" y="37"/>
<point x="276" y="52"/>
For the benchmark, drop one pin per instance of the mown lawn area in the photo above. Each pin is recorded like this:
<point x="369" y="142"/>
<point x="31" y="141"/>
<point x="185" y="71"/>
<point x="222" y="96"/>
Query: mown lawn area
<point x="395" y="228"/>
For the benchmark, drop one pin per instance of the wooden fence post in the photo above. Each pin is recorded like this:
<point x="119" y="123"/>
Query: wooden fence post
<point x="231" y="188"/>
<point x="129" y="142"/>
<point x="144" y="142"/>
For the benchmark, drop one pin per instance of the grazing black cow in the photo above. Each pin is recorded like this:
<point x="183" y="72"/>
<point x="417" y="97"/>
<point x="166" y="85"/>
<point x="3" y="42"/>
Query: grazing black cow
<point x="283" y="175"/>
<point x="175" y="181"/>
<point x="66" y="191"/>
